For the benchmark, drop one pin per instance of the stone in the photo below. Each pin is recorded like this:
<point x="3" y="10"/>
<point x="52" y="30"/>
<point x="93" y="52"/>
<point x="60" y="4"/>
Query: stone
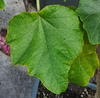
<point x="14" y="80"/>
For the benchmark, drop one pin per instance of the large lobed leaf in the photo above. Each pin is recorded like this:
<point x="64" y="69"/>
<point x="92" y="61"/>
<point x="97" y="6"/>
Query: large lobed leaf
<point x="89" y="13"/>
<point x="47" y="43"/>
<point x="84" y="65"/>
<point x="2" y="4"/>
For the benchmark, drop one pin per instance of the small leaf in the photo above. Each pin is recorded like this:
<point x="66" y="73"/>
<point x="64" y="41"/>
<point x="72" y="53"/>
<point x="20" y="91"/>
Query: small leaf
<point x="89" y="13"/>
<point x="2" y="4"/>
<point x="46" y="42"/>
<point x="84" y="65"/>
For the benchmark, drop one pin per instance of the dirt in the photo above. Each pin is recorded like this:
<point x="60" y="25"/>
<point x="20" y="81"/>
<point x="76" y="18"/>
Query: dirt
<point x="73" y="91"/>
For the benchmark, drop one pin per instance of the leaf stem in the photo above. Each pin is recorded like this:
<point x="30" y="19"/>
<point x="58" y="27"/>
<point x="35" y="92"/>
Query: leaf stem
<point x="38" y="5"/>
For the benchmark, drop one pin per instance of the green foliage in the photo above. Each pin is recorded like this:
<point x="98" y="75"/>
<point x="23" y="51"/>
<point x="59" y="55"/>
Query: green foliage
<point x="47" y="43"/>
<point x="89" y="13"/>
<point x="2" y="4"/>
<point x="52" y="46"/>
<point x="84" y="65"/>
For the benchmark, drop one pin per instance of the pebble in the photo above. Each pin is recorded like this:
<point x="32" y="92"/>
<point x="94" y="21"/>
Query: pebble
<point x="85" y="89"/>
<point x="87" y="92"/>
<point x="81" y="95"/>
<point x="38" y="93"/>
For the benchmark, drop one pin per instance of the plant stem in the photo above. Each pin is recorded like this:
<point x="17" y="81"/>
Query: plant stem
<point x="38" y="5"/>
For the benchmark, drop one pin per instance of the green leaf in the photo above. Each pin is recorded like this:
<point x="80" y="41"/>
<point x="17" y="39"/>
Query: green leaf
<point x="47" y="43"/>
<point x="88" y="48"/>
<point x="84" y="65"/>
<point x="72" y="7"/>
<point x="2" y="4"/>
<point x="89" y="13"/>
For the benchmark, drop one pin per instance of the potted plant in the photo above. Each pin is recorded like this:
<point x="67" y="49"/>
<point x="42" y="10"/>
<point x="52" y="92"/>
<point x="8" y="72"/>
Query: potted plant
<point x="57" y="44"/>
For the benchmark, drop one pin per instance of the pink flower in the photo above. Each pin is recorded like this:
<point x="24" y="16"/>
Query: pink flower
<point x="3" y="46"/>
<point x="5" y="49"/>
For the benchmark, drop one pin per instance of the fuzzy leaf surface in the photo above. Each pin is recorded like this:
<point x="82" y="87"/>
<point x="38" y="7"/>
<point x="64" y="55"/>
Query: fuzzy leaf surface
<point x="89" y="13"/>
<point x="2" y="4"/>
<point x="84" y="65"/>
<point x="47" y="43"/>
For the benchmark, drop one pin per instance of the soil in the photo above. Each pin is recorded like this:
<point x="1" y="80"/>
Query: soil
<point x="73" y="91"/>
